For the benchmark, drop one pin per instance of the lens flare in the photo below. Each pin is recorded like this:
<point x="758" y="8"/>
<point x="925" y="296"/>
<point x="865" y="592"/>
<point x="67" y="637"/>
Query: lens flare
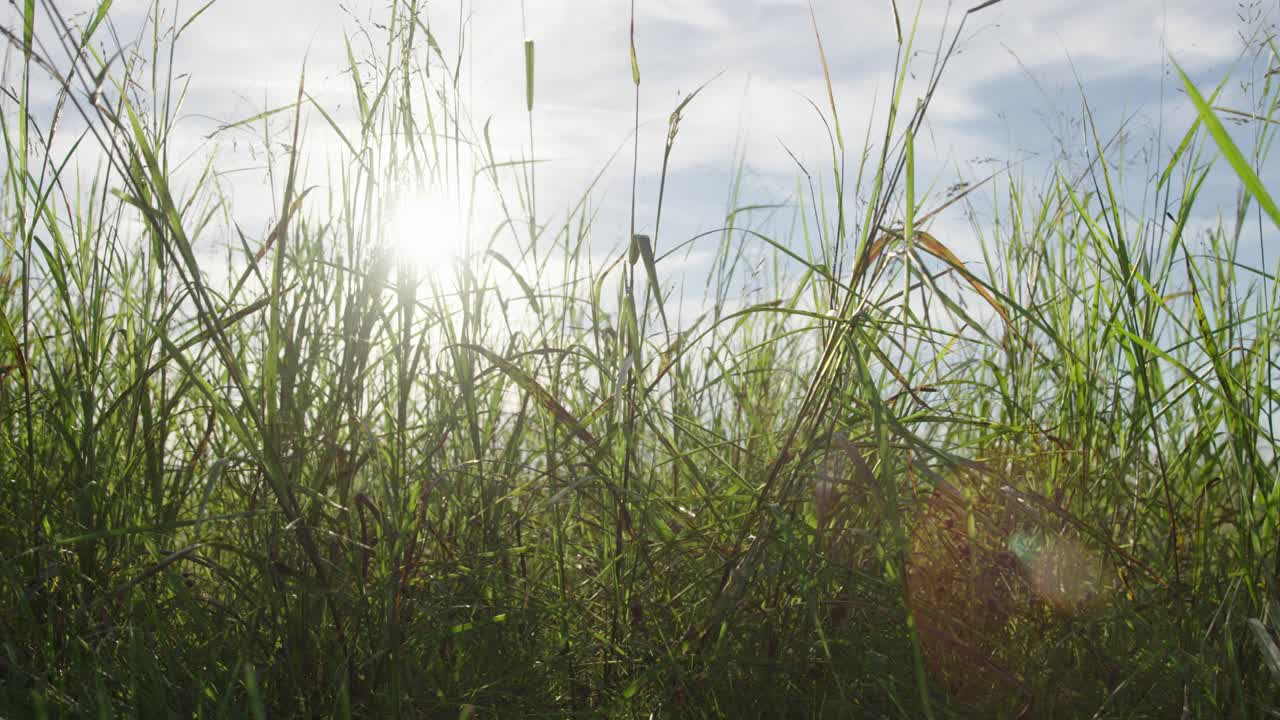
<point x="1066" y="574"/>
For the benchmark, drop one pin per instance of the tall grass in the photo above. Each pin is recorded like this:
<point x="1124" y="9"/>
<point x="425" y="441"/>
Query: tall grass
<point x="310" y="479"/>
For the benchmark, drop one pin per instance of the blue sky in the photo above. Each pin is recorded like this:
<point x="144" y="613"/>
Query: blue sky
<point x="1010" y="93"/>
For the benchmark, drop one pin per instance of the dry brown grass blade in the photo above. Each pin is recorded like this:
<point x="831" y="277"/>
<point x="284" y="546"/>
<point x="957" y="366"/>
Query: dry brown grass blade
<point x="940" y="251"/>
<point x="931" y="245"/>
<point x="877" y="247"/>
<point x="826" y="75"/>
<point x="869" y="257"/>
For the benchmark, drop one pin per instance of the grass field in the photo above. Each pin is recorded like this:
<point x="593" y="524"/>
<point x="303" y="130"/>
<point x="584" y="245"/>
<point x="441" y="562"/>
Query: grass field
<point x="295" y="473"/>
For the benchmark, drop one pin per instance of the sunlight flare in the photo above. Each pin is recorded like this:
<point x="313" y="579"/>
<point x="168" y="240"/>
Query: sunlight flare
<point x="428" y="231"/>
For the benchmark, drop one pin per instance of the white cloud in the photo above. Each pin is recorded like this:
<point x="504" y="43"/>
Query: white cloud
<point x="244" y="55"/>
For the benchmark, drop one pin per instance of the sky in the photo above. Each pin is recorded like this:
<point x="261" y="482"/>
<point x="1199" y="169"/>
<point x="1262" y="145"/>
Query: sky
<point x="1009" y="95"/>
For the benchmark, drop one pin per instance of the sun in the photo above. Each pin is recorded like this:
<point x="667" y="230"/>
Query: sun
<point x="428" y="231"/>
